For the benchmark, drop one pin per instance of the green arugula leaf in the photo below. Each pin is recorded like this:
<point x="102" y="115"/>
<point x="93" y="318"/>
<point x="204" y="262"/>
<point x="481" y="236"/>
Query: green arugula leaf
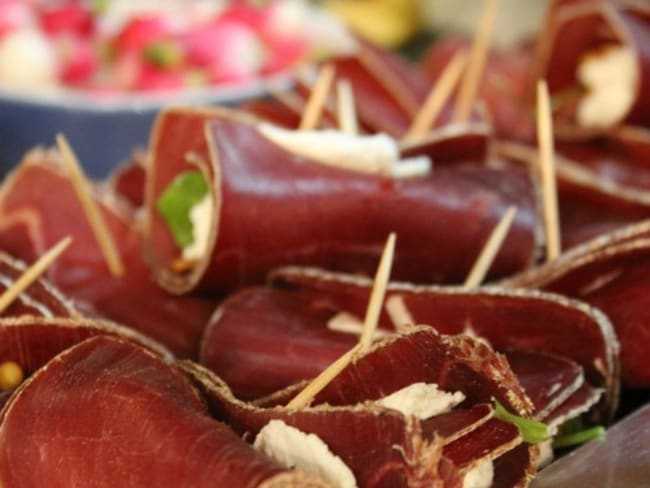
<point x="580" y="437"/>
<point x="174" y="205"/>
<point x="532" y="431"/>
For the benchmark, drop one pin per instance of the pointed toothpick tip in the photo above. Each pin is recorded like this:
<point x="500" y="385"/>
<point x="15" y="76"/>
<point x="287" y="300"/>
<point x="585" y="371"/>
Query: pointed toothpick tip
<point x="440" y="93"/>
<point x="480" y="46"/>
<point x="314" y="107"/>
<point x="95" y="219"/>
<point x="547" y="171"/>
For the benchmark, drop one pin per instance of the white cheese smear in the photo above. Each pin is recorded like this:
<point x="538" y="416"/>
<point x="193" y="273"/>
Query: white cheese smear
<point x="545" y="453"/>
<point x="610" y="77"/>
<point x="27" y="61"/>
<point x="481" y="476"/>
<point x="422" y="400"/>
<point x="200" y="216"/>
<point x="347" y="323"/>
<point x="306" y="452"/>
<point x="374" y="154"/>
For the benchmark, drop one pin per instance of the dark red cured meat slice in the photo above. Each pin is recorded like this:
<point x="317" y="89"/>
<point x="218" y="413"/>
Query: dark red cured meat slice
<point x="547" y="380"/>
<point x="576" y="404"/>
<point x="106" y="403"/>
<point x="513" y="468"/>
<point x="573" y="30"/>
<point x="491" y="440"/>
<point x="41" y="298"/>
<point x="615" y="277"/>
<point x="128" y="180"/>
<point x="302" y="212"/>
<point x="33" y="341"/>
<point x="617" y="162"/>
<point x="610" y="161"/>
<point x="452" y="143"/>
<point x="583" y="219"/>
<point x="273" y="111"/>
<point x="633" y="141"/>
<point x="381" y="447"/>
<point x="457" y="423"/>
<point x="510" y="319"/>
<point x="38" y="186"/>
<point x="504" y="86"/>
<point x="262" y="340"/>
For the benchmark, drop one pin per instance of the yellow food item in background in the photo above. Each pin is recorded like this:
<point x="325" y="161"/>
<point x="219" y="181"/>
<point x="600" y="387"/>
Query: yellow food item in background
<point x="388" y="23"/>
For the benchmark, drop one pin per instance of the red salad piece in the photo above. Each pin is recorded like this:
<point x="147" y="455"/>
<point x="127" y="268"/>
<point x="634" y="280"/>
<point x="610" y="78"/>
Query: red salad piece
<point x="68" y="18"/>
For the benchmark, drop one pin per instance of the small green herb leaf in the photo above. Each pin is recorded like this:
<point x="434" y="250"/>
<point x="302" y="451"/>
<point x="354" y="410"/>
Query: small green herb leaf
<point x="575" y="438"/>
<point x="174" y="205"/>
<point x="164" y="54"/>
<point x="532" y="431"/>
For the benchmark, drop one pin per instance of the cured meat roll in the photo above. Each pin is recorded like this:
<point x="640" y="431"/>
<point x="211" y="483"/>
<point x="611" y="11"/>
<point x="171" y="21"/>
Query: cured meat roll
<point x="265" y="206"/>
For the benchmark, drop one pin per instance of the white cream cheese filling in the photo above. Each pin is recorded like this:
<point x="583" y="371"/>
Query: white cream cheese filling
<point x="610" y="77"/>
<point x="201" y="217"/>
<point x="373" y="154"/>
<point x="306" y="452"/>
<point x="347" y="323"/>
<point x="422" y="400"/>
<point x="545" y="453"/>
<point x="481" y="476"/>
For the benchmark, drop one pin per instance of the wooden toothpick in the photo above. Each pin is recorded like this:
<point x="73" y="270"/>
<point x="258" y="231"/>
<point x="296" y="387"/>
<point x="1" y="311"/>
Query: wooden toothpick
<point x="547" y="171"/>
<point x="490" y="249"/>
<point x="399" y="313"/>
<point x="93" y="214"/>
<point x="377" y="295"/>
<point x="314" y="107"/>
<point x="438" y="96"/>
<point x="32" y="273"/>
<point x="472" y="78"/>
<point x="347" y="114"/>
<point x="305" y="397"/>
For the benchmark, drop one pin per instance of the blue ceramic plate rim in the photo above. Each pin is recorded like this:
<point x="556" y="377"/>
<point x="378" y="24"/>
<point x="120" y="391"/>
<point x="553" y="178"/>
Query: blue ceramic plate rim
<point x="79" y="101"/>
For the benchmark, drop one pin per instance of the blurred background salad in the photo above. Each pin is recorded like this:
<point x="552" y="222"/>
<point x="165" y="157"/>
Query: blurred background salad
<point x="106" y="47"/>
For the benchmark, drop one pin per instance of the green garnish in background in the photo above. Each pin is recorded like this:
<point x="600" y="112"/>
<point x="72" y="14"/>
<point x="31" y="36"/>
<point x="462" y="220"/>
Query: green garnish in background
<point x="174" y="205"/>
<point x="532" y="431"/>
<point x="164" y="54"/>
